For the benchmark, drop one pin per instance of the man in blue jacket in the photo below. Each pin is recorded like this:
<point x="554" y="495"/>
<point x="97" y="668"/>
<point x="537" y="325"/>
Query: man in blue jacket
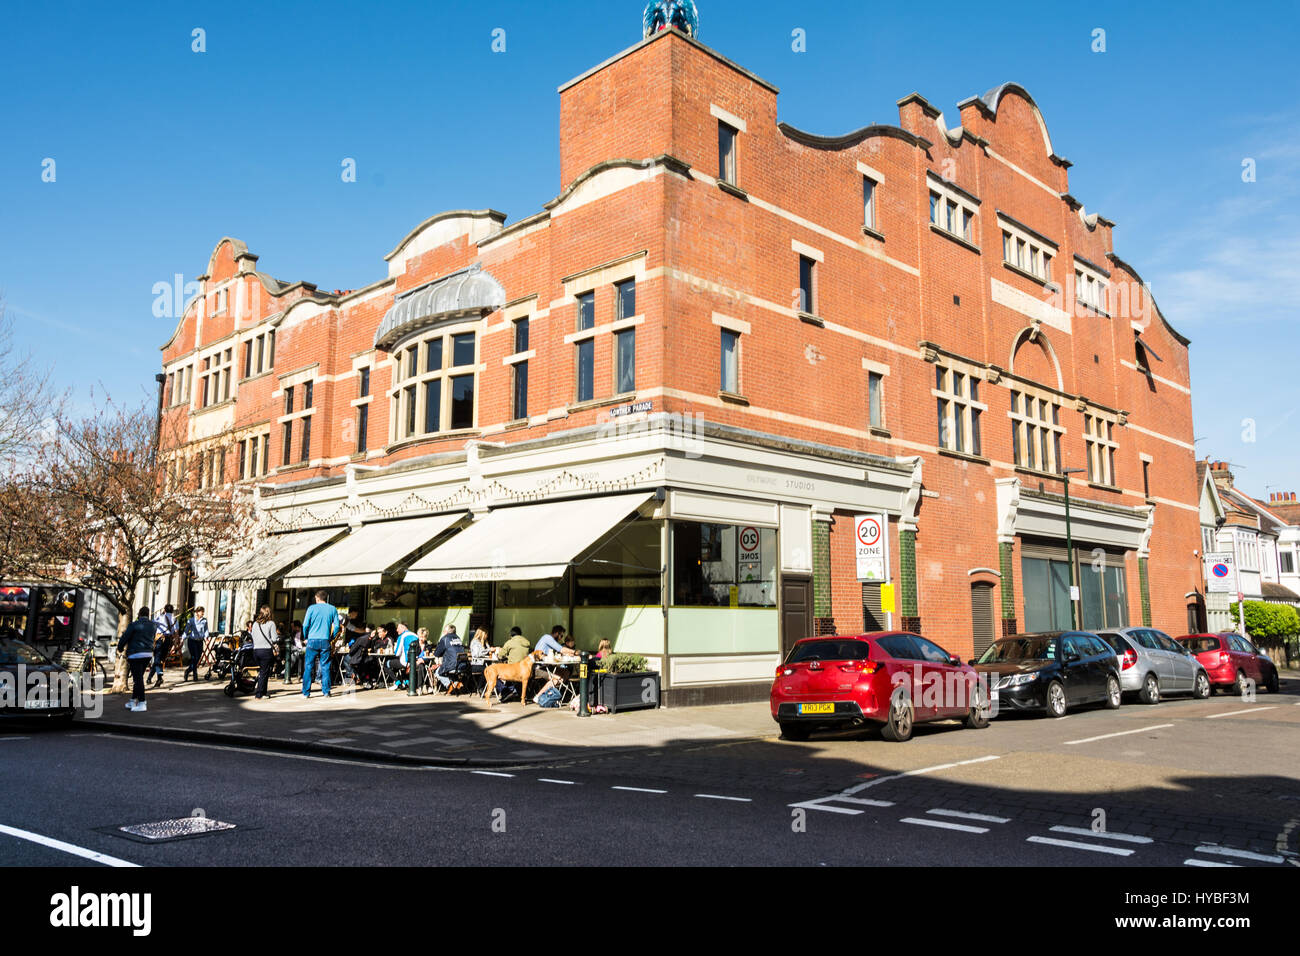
<point x="137" y="643"/>
<point x="320" y="625"/>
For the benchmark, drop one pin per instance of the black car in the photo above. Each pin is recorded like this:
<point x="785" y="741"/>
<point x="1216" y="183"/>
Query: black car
<point x="1051" y="671"/>
<point x="31" y="685"/>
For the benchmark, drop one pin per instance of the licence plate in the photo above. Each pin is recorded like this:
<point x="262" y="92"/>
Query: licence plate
<point x="40" y="704"/>
<point x="816" y="708"/>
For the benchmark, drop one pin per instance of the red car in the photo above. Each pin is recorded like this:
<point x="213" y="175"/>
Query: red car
<point x="892" y="680"/>
<point x="1229" y="659"/>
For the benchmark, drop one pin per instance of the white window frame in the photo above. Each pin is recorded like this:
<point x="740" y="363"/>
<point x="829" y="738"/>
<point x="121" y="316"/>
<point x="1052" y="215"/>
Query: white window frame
<point x="402" y="382"/>
<point x="951" y="206"/>
<point x="1025" y="252"/>
<point x="1091" y="288"/>
<point x="961" y="405"/>
<point x="1100" y="447"/>
<point x="1031" y="430"/>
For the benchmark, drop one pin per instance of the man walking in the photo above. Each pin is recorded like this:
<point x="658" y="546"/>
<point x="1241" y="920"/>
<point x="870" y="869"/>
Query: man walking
<point x="137" y="642"/>
<point x="165" y="632"/>
<point x="319" y="626"/>
<point x="196" y="634"/>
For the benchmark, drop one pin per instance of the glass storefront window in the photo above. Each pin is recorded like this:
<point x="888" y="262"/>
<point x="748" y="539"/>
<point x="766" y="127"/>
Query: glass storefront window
<point x="718" y="565"/>
<point x="521" y="594"/>
<point x="1103" y="594"/>
<point x="624" y="570"/>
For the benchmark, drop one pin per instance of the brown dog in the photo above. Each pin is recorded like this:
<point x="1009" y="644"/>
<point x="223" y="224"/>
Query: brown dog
<point x="521" y="672"/>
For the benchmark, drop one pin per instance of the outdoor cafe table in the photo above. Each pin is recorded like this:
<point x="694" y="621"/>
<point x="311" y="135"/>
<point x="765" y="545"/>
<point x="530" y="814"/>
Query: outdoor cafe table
<point x="559" y="667"/>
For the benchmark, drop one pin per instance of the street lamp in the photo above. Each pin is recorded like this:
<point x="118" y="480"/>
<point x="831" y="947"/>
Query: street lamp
<point x="1069" y="546"/>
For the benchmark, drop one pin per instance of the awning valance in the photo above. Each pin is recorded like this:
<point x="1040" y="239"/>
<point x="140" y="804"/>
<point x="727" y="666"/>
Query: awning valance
<point x="525" y="543"/>
<point x="364" y="555"/>
<point x="271" y="558"/>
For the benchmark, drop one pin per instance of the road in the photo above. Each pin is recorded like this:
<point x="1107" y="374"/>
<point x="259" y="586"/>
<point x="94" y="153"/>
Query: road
<point x="1185" y="783"/>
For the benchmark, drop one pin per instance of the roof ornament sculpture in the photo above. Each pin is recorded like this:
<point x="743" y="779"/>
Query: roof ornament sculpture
<point x="661" y="14"/>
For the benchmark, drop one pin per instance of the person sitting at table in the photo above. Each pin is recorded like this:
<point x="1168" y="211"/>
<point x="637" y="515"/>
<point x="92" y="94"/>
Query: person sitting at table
<point x="422" y="650"/>
<point x="516" y="648"/>
<point x="358" y="656"/>
<point x="403" y="638"/>
<point x="550" y="643"/>
<point x="603" y="649"/>
<point x="552" y="693"/>
<point x="480" y="647"/>
<point x="450" y="648"/>
<point x="392" y="665"/>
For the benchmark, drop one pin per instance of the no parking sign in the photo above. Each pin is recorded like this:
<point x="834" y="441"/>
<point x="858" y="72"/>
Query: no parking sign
<point x="871" y="540"/>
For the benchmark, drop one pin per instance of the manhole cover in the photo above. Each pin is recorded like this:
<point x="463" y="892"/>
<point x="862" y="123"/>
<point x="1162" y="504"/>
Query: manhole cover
<point x="180" y="829"/>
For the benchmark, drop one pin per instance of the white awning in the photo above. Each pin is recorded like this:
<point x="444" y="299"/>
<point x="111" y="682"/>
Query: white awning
<point x="525" y="543"/>
<point x="363" y="556"/>
<point x="271" y="558"/>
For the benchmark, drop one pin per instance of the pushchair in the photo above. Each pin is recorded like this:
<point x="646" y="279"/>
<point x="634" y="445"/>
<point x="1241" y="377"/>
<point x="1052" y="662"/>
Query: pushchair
<point x="223" y="659"/>
<point x="243" y="671"/>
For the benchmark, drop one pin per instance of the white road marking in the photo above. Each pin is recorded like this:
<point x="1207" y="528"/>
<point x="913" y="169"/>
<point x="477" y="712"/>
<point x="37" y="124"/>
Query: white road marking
<point x="638" y="789"/>
<point x="29" y="738"/>
<point x="75" y="850"/>
<point x="912" y="773"/>
<point x="1206" y="863"/>
<point x="1122" y="733"/>
<point x="1071" y="844"/>
<point x="491" y="773"/>
<point x="714" y="796"/>
<point x="1104" y="835"/>
<point x="969" y="816"/>
<point x="964" y="828"/>
<point x="818" y="805"/>
<point x="863" y="801"/>
<point x="1237" y="713"/>
<point x="548" y="780"/>
<point x="1240" y="854"/>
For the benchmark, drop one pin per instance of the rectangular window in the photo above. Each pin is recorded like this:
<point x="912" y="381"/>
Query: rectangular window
<point x="952" y="211"/>
<point x="1100" y="446"/>
<point x="586" y="311"/>
<point x="306" y="439"/>
<point x="266" y="453"/>
<point x="288" y="443"/>
<point x="433" y="406"/>
<point x="363" y="426"/>
<point x="957" y="397"/>
<point x="462" y="401"/>
<point x="875" y="412"/>
<point x="433" y="355"/>
<point x="586" y="369"/>
<point x="730" y="362"/>
<point x="1286" y="562"/>
<point x="307" y="394"/>
<point x="723" y="565"/>
<point x="270" y="348"/>
<point x="1035" y="432"/>
<point x="261" y="350"/>
<point x="625" y="361"/>
<point x="624" y="300"/>
<point x="1146" y="480"/>
<point x="519" y="397"/>
<point x="288" y="400"/>
<point x="243" y="460"/>
<point x="248" y="358"/>
<point x="868" y="202"/>
<point x="365" y="382"/>
<point x="409" y="397"/>
<point x="462" y="349"/>
<point x="727" y="153"/>
<point x="807" y="267"/>
<point x="521" y="335"/>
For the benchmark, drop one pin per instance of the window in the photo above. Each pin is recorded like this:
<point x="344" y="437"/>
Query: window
<point x="215" y="377"/>
<point x="266" y="453"/>
<point x="586" y="369"/>
<point x="306" y="439"/>
<point x="519" y="373"/>
<point x="722" y="565"/>
<point x="307" y="393"/>
<point x="730" y="362"/>
<point x="727" y="153"/>
<point x="957" y="394"/>
<point x="869" y="202"/>
<point x="220" y="300"/>
<point x="1286" y="562"/>
<point x="625" y="361"/>
<point x="364" y="386"/>
<point x="243" y="460"/>
<point x="363" y="426"/>
<point x="807" y="269"/>
<point x="1146" y="480"/>
<point x="435" y="400"/>
<point x="586" y="311"/>
<point x="287" y="444"/>
<point x="951" y="210"/>
<point x="248" y="358"/>
<point x="1026" y="252"/>
<point x="875" y="411"/>
<point x="1090" y="288"/>
<point x="261" y="351"/>
<point x="1036" y="431"/>
<point x="521" y="335"/>
<point x="624" y="300"/>
<point x="288" y="400"/>
<point x="1100" y="444"/>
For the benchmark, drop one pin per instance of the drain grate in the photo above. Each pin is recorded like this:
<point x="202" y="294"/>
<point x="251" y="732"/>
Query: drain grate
<point x="163" y="830"/>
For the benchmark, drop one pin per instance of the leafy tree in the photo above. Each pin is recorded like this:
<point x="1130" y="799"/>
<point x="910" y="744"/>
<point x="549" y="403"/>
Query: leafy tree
<point x="1268" y="623"/>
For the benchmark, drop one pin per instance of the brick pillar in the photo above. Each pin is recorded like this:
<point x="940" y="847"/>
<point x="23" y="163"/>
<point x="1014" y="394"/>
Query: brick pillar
<point x="909" y="619"/>
<point x="1145" y="591"/>
<point x="1007" y="566"/>
<point x="823" y="614"/>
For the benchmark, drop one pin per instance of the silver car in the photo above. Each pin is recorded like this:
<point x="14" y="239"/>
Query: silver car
<point x="1152" y="664"/>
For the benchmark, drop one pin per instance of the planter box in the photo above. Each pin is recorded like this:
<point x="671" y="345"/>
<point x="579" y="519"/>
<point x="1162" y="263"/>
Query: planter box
<point x="636" y="691"/>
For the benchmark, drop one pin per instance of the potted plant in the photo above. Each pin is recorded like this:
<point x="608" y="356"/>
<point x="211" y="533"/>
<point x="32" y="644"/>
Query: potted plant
<point x="628" y="684"/>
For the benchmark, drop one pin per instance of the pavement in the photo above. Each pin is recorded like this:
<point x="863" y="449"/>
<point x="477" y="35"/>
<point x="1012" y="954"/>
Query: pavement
<point x="427" y="729"/>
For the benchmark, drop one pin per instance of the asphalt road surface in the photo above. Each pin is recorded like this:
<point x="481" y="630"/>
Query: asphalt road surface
<point x="1185" y="783"/>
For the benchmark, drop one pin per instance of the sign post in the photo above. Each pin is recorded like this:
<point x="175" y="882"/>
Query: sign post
<point x="871" y="544"/>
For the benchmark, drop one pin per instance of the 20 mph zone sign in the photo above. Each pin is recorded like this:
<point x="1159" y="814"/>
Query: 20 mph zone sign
<point x="871" y="539"/>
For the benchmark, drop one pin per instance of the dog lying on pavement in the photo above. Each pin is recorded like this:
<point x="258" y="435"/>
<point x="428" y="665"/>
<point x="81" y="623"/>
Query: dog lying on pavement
<point x="520" y="672"/>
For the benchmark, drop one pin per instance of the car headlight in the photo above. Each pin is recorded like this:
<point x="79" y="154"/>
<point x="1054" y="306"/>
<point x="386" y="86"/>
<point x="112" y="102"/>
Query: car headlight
<point x="1016" y="680"/>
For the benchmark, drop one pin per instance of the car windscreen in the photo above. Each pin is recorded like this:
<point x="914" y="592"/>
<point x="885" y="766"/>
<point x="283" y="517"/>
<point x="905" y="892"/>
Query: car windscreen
<point x="1019" y="649"/>
<point x="16" y="652"/>
<point x="830" y="651"/>
<point x="1198" y="645"/>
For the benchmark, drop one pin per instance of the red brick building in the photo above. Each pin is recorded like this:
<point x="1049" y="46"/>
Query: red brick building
<point x="721" y="341"/>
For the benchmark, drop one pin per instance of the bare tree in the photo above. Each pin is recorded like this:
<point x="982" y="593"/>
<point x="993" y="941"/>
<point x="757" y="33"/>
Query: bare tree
<point x="29" y="403"/>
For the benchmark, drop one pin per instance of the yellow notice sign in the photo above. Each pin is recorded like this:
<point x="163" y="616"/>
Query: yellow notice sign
<point x="887" y="598"/>
<point x="735" y="596"/>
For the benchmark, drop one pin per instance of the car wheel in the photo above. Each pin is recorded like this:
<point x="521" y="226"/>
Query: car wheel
<point x="1055" y="699"/>
<point x="1273" y="682"/>
<point x="977" y="718"/>
<point x="1113" y="695"/>
<point x="898" y="727"/>
<point x="791" y="731"/>
<point x="1201" y="688"/>
<point x="1150" y="692"/>
<point x="1239" y="685"/>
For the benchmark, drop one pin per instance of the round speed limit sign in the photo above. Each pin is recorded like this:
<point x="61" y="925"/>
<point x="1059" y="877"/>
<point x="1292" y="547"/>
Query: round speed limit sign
<point x="748" y="539"/>
<point x="868" y="531"/>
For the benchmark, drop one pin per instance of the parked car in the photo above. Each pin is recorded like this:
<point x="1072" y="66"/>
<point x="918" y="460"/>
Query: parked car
<point x="19" y="664"/>
<point x="893" y="680"/>
<point x="1229" y="659"/>
<point x="1051" y="671"/>
<point x="1153" y="664"/>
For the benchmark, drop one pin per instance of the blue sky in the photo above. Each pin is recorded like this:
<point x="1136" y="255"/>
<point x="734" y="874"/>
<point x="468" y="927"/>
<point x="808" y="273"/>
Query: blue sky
<point x="160" y="151"/>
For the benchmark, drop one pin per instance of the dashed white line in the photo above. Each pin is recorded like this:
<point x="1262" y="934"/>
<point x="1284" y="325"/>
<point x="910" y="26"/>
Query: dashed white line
<point x="549" y="780"/>
<point x="491" y="773"/>
<point x="1240" y="854"/>
<point x="715" y="796"/>
<point x="639" y="789"/>
<point x="1194" y="862"/>
<point x="1238" y="713"/>
<point x="944" y="825"/>
<point x="1071" y="844"/>
<point x="913" y="773"/>
<point x="962" y="814"/>
<point x="1122" y="733"/>
<point x="75" y="850"/>
<point x="1104" y="835"/>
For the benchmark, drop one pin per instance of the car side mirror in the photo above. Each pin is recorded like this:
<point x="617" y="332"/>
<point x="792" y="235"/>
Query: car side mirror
<point x="1072" y="658"/>
<point x="954" y="660"/>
